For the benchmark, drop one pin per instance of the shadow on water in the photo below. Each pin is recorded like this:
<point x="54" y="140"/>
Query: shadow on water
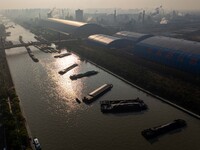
<point x="124" y="113"/>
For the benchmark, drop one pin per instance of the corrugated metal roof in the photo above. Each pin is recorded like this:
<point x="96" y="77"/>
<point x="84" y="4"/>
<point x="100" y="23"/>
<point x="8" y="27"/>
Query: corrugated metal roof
<point x="68" y="22"/>
<point x="132" y="35"/>
<point x="103" y="39"/>
<point x="173" y="44"/>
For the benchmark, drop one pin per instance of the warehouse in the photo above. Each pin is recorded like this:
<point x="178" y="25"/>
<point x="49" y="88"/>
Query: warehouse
<point x="107" y="41"/>
<point x="74" y="28"/>
<point x="177" y="53"/>
<point x="133" y="36"/>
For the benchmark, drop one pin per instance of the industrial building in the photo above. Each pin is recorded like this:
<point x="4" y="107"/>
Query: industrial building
<point x="74" y="28"/>
<point x="107" y="41"/>
<point x="178" y="53"/>
<point x="79" y="15"/>
<point x="133" y="36"/>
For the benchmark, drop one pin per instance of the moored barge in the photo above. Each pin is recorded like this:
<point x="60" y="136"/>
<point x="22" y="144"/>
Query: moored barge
<point x="62" y="55"/>
<point x="162" y="129"/>
<point x="81" y="75"/>
<point x="117" y="106"/>
<point x="67" y="69"/>
<point x="97" y="93"/>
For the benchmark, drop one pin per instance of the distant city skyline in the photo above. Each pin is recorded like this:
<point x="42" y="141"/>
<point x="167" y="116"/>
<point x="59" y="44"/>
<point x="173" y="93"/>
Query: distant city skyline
<point x="83" y="4"/>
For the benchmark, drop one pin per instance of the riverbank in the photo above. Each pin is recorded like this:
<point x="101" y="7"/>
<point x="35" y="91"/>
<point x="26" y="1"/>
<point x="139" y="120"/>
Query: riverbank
<point x="14" y="125"/>
<point x="177" y="91"/>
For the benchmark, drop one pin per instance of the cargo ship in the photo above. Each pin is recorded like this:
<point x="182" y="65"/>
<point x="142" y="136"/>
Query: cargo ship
<point x="97" y="93"/>
<point x="117" y="106"/>
<point x="67" y="69"/>
<point x="62" y="55"/>
<point x="162" y="129"/>
<point x="86" y="74"/>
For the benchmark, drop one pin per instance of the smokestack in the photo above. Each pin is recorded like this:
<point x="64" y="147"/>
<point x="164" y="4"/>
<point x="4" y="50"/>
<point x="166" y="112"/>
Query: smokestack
<point x="143" y="15"/>
<point x="115" y="15"/>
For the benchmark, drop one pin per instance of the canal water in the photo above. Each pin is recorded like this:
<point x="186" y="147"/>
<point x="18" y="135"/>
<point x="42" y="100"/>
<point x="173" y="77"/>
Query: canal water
<point x="60" y="123"/>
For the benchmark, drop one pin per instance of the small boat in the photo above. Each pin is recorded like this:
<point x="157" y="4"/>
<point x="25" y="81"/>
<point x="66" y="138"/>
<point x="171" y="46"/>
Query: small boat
<point x="156" y="131"/>
<point x="36" y="143"/>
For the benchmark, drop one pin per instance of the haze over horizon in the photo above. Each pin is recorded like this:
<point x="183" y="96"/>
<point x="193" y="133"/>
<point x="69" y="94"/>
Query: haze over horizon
<point x="83" y="4"/>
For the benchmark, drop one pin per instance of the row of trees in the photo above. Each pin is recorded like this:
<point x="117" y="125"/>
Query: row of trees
<point x="16" y="135"/>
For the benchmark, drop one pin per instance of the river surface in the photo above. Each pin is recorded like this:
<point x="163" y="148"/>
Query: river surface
<point x="60" y="123"/>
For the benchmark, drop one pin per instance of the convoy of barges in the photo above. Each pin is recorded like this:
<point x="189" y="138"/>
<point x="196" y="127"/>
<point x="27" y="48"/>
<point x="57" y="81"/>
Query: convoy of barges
<point x="106" y="106"/>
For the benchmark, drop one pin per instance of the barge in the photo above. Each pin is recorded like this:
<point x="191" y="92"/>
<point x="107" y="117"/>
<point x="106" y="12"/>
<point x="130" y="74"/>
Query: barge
<point x="67" y="69"/>
<point x="62" y="55"/>
<point x="117" y="106"/>
<point x="162" y="129"/>
<point x="97" y="93"/>
<point x="81" y="75"/>
<point x="31" y="54"/>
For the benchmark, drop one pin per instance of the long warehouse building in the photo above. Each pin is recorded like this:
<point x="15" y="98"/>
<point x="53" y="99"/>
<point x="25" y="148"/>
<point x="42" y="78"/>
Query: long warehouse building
<point x="177" y="53"/>
<point x="107" y="41"/>
<point x="74" y="28"/>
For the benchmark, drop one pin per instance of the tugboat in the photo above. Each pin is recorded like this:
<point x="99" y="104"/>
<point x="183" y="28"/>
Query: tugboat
<point x="162" y="129"/>
<point x="36" y="143"/>
<point x="117" y="106"/>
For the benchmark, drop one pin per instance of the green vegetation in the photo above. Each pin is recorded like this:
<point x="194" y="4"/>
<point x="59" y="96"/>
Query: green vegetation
<point x="13" y="122"/>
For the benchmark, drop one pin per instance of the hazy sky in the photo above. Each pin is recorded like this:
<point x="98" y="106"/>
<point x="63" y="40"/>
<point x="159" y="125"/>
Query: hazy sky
<point x="168" y="4"/>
